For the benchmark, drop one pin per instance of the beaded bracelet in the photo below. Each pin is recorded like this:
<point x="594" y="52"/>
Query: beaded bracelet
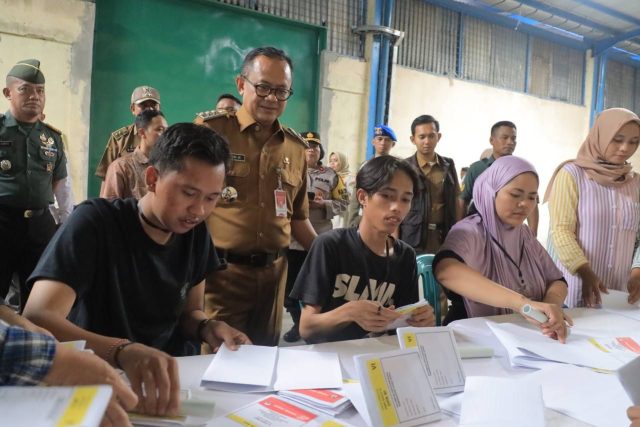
<point x="116" y="353"/>
<point x="200" y="327"/>
<point x="113" y="347"/>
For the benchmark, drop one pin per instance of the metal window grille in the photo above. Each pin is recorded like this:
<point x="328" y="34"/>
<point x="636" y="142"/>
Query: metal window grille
<point x="493" y="54"/>
<point x="339" y="16"/>
<point x="431" y="36"/>
<point x="556" y="72"/>
<point x="619" y="86"/>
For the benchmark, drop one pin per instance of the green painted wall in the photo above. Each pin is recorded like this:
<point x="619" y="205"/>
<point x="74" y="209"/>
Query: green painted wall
<point x="190" y="51"/>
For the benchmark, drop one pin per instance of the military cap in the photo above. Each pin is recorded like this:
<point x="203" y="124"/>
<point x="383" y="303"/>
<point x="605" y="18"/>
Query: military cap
<point x="27" y="70"/>
<point x="382" y="130"/>
<point x="145" y="93"/>
<point x="313" y="138"/>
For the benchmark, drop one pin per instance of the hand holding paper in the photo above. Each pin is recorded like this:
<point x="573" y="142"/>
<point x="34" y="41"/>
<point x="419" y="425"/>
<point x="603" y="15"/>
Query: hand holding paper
<point x="417" y="314"/>
<point x="371" y="316"/>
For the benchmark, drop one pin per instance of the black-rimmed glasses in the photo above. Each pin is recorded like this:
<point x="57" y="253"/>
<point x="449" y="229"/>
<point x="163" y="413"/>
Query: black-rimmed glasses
<point x="263" y="90"/>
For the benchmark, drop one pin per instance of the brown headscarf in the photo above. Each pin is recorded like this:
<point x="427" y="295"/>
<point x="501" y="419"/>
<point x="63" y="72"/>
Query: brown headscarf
<point x="591" y="153"/>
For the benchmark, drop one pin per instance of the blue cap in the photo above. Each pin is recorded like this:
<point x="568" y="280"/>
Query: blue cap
<point x="382" y="130"/>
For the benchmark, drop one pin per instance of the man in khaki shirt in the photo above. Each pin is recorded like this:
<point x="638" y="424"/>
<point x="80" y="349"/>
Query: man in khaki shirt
<point x="126" y="139"/>
<point x="264" y="203"/>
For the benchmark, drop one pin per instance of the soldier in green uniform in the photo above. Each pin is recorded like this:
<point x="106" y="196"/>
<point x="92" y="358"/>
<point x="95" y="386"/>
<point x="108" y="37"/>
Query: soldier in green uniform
<point x="32" y="165"/>
<point x="125" y="140"/>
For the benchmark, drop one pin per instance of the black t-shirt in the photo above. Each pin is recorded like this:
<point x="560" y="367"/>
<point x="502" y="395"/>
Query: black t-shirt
<point x="341" y="268"/>
<point x="126" y="284"/>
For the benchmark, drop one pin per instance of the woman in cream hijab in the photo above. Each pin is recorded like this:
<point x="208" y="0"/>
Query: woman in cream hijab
<point x="340" y="164"/>
<point x="594" y="208"/>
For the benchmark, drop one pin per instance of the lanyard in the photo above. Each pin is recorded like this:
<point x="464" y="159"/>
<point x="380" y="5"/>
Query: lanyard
<point x="504" y="251"/>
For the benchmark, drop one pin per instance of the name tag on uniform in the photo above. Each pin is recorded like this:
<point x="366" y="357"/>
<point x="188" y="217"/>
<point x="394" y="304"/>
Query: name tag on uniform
<point x="281" y="203"/>
<point x="238" y="157"/>
<point x="6" y="143"/>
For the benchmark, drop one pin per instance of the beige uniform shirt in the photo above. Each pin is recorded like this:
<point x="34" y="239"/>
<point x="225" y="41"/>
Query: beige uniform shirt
<point x="125" y="177"/>
<point x="249" y="224"/>
<point x="121" y="142"/>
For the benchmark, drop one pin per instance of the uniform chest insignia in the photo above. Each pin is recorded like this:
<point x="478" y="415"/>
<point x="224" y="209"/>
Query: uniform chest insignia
<point x="50" y="142"/>
<point x="229" y="194"/>
<point x="5" y="165"/>
<point x="49" y="167"/>
<point x="238" y="157"/>
<point x="43" y="138"/>
<point x="286" y="161"/>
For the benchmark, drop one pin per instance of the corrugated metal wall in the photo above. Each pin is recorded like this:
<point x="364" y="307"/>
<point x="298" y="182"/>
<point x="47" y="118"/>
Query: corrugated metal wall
<point x="557" y="71"/>
<point x="339" y="16"/>
<point x="619" y="86"/>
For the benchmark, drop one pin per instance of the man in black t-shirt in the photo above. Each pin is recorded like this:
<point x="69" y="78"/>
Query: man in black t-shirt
<point x="352" y="278"/>
<point x="135" y="269"/>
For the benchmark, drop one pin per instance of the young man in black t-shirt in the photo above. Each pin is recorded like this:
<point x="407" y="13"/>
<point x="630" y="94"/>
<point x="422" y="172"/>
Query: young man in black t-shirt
<point x="352" y="279"/>
<point x="135" y="269"/>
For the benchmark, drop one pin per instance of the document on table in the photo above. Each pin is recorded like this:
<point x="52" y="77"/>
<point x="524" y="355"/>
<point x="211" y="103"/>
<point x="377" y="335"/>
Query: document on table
<point x="528" y="347"/>
<point x="330" y="402"/>
<point x="275" y="411"/>
<point x="439" y="352"/>
<point x="254" y="368"/>
<point x="629" y="376"/>
<point x="616" y="302"/>
<point x="54" y="406"/>
<point x="406" y="312"/>
<point x="396" y="388"/>
<point x="493" y="401"/>
<point x="592" y="397"/>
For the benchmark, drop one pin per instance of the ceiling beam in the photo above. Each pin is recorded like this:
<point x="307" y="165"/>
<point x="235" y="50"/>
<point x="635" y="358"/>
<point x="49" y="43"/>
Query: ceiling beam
<point x="603" y="45"/>
<point x="567" y="15"/>
<point x="487" y="13"/>
<point x="609" y="11"/>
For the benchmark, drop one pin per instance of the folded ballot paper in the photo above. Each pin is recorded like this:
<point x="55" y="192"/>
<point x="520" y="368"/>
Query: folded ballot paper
<point x="439" y="352"/>
<point x="330" y="402"/>
<point x="491" y="402"/>
<point x="53" y="406"/>
<point x="276" y="411"/>
<point x="396" y="389"/>
<point x="253" y="369"/>
<point x="529" y="348"/>
<point x="406" y="312"/>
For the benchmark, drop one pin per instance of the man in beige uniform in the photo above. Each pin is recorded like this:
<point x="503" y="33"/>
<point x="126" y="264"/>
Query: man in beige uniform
<point x="125" y="140"/>
<point x="264" y="203"/>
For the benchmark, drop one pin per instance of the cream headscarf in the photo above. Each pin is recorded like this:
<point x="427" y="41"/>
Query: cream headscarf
<point x="591" y="153"/>
<point x="344" y="164"/>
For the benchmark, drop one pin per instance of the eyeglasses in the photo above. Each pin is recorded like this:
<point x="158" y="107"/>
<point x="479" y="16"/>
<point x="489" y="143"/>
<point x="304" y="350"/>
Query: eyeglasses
<point x="263" y="90"/>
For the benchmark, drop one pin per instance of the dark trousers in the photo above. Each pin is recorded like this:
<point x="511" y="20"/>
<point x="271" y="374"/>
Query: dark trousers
<point x="22" y="241"/>
<point x="296" y="259"/>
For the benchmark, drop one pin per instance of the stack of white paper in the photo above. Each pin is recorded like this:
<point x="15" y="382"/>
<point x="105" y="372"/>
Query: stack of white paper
<point x="617" y="302"/>
<point x="529" y="348"/>
<point x="274" y="411"/>
<point x="330" y="402"/>
<point x="406" y="312"/>
<point x="492" y="401"/>
<point x="595" y="398"/>
<point x="53" y="406"/>
<point x="254" y="368"/>
<point x="396" y="389"/>
<point x="439" y="352"/>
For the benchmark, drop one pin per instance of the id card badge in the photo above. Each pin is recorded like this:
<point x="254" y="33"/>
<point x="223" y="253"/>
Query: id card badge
<point x="281" y="203"/>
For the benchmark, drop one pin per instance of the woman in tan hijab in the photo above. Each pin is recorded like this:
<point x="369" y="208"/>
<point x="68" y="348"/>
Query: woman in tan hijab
<point x="340" y="164"/>
<point x="594" y="208"/>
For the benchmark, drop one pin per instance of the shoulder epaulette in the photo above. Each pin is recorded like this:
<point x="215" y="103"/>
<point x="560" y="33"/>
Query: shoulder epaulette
<point x="212" y="114"/>
<point x="296" y="136"/>
<point x="56" y="130"/>
<point x="120" y="132"/>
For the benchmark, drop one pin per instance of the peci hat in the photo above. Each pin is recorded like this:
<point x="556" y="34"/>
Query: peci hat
<point x="27" y="70"/>
<point x="145" y="93"/>
<point x="382" y="130"/>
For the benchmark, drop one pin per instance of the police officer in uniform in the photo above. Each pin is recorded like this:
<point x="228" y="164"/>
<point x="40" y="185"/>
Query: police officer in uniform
<point x="32" y="165"/>
<point x="264" y="203"/>
<point x="125" y="140"/>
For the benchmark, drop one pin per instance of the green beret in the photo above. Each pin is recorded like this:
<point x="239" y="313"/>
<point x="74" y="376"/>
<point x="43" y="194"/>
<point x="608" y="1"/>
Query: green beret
<point x="27" y="70"/>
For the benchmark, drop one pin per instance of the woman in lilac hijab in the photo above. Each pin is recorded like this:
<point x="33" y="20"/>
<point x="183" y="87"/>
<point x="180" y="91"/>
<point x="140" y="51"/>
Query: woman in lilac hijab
<point x="492" y="262"/>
